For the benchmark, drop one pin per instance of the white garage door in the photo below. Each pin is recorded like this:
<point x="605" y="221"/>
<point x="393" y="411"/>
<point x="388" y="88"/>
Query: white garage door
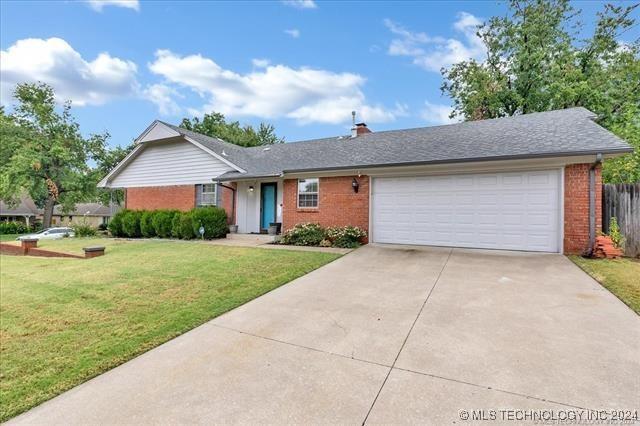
<point x="511" y="211"/>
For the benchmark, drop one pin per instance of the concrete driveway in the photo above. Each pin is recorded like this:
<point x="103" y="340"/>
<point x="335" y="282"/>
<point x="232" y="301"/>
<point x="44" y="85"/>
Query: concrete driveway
<point x="386" y="334"/>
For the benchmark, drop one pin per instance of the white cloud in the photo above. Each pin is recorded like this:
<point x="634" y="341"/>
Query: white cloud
<point x="163" y="96"/>
<point x="98" y="5"/>
<point x="295" y="33"/>
<point x="275" y="91"/>
<point x="436" y="113"/>
<point x="55" y="62"/>
<point x="434" y="53"/>
<point x="300" y="4"/>
<point x="260" y="63"/>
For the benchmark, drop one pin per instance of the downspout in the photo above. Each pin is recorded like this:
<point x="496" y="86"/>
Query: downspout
<point x="592" y="203"/>
<point x="233" y="204"/>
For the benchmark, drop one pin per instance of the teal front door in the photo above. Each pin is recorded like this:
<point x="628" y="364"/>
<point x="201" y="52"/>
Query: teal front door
<point x="267" y="204"/>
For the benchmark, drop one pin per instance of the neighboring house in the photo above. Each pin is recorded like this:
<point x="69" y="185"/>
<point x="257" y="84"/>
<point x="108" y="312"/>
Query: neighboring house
<point x="93" y="214"/>
<point x="530" y="182"/>
<point x="25" y="211"/>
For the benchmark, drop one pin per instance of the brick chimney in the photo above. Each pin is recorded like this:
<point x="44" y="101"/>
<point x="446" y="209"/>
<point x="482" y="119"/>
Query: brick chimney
<point x="358" y="128"/>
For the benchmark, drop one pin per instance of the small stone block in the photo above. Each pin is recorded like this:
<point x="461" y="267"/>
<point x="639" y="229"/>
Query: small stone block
<point x="94" y="251"/>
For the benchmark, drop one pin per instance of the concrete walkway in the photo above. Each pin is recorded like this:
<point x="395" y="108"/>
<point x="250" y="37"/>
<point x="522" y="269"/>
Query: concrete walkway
<point x="385" y="335"/>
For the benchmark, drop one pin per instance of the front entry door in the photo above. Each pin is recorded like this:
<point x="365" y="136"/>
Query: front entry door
<point x="267" y="204"/>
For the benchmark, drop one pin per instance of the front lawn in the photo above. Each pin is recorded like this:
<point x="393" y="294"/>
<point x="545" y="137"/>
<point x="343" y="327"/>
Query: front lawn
<point x="620" y="276"/>
<point x="63" y="321"/>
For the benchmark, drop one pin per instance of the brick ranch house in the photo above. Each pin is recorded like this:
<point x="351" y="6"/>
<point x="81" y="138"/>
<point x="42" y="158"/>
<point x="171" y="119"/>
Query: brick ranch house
<point x="530" y="182"/>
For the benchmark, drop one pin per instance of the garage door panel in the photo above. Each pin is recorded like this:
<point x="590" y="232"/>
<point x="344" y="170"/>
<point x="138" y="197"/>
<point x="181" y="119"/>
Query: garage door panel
<point x="514" y="210"/>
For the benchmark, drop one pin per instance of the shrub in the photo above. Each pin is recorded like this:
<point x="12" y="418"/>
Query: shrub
<point x="115" y="224"/>
<point x="346" y="236"/>
<point x="304" y="234"/>
<point x="13" y="228"/>
<point x="131" y="223"/>
<point x="214" y="220"/>
<point x="614" y="233"/>
<point x="163" y="222"/>
<point x="84" y="230"/>
<point x="146" y="224"/>
<point x="182" y="226"/>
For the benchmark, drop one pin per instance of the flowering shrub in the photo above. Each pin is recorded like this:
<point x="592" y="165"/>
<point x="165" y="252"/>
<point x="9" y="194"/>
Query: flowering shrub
<point x="346" y="236"/>
<point x="304" y="234"/>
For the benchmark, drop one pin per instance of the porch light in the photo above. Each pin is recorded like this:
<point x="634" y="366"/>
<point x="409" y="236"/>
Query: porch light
<point x="250" y="188"/>
<point x="355" y="185"/>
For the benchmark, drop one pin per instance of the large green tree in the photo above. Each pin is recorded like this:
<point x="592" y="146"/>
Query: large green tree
<point x="44" y="154"/>
<point x="215" y="125"/>
<point x="538" y="59"/>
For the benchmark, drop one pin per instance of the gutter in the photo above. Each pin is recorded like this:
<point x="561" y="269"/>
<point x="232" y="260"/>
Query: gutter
<point x="592" y="203"/>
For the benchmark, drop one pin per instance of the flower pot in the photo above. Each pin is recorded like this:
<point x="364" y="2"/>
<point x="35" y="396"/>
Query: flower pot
<point x="233" y="229"/>
<point x="273" y="230"/>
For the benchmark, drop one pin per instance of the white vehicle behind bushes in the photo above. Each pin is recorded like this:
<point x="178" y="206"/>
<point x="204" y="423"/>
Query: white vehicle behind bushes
<point x="49" y="234"/>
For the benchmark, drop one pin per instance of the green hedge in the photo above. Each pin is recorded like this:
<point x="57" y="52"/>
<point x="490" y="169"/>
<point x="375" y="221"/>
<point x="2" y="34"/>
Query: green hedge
<point x="305" y="234"/>
<point x="183" y="226"/>
<point x="214" y="220"/>
<point x="13" y="228"/>
<point x="170" y="223"/>
<point x="146" y="224"/>
<point x="163" y="222"/>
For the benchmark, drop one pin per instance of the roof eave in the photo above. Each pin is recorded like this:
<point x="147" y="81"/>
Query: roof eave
<point x="466" y="160"/>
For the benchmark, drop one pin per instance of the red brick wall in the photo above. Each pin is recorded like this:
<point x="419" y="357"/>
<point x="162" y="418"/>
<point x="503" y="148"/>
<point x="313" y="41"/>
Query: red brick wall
<point x="576" y="207"/>
<point x="227" y="200"/>
<point x="338" y="205"/>
<point x="181" y="197"/>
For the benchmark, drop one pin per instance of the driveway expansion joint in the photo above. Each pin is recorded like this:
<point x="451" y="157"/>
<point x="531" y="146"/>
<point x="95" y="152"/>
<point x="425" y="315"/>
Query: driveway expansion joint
<point x="408" y="334"/>
<point x="300" y="346"/>
<point x="435" y="376"/>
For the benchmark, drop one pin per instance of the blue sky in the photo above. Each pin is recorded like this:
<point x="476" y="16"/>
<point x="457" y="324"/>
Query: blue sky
<point x="301" y="65"/>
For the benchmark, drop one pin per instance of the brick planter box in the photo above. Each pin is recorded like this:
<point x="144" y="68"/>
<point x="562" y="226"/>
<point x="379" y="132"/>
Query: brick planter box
<point x="90" y="252"/>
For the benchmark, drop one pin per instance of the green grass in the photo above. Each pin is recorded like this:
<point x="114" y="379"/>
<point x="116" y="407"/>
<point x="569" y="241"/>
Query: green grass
<point x="63" y="321"/>
<point x="620" y="276"/>
<point x="8" y="237"/>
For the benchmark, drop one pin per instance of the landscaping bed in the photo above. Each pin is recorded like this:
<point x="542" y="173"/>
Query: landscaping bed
<point x="64" y="321"/>
<point x="620" y="276"/>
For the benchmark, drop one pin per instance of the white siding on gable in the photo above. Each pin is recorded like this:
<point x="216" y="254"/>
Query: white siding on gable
<point x="170" y="163"/>
<point x="159" y="131"/>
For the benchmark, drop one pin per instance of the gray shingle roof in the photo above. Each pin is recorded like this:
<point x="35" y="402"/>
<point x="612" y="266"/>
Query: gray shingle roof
<point x="81" y="209"/>
<point x="544" y="134"/>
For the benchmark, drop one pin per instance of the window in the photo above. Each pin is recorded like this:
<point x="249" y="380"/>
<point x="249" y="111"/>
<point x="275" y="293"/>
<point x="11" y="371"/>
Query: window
<point x="308" y="193"/>
<point x="206" y="194"/>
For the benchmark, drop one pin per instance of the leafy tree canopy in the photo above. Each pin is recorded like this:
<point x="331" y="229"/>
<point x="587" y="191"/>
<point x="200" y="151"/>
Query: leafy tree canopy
<point x="216" y="126"/>
<point x="537" y="61"/>
<point x="44" y="155"/>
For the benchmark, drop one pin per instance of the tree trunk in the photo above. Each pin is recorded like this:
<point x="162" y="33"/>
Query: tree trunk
<point x="48" y="212"/>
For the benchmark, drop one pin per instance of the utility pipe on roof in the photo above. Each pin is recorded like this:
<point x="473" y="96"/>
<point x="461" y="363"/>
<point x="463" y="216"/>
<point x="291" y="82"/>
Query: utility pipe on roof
<point x="592" y="203"/>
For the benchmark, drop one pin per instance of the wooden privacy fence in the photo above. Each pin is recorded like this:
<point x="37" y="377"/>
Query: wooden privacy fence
<point x="622" y="201"/>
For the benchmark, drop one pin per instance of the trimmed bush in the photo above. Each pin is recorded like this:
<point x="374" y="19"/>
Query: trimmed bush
<point x="214" y="220"/>
<point x="346" y="236"/>
<point x="163" y="222"/>
<point x="84" y="230"/>
<point x="115" y="224"/>
<point x="13" y="227"/>
<point x="146" y="224"/>
<point x="131" y="223"/>
<point x="183" y="226"/>
<point x="304" y="234"/>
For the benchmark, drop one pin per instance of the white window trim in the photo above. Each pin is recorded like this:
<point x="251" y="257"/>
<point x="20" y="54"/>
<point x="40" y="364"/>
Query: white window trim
<point x="298" y="192"/>
<point x="200" y="196"/>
